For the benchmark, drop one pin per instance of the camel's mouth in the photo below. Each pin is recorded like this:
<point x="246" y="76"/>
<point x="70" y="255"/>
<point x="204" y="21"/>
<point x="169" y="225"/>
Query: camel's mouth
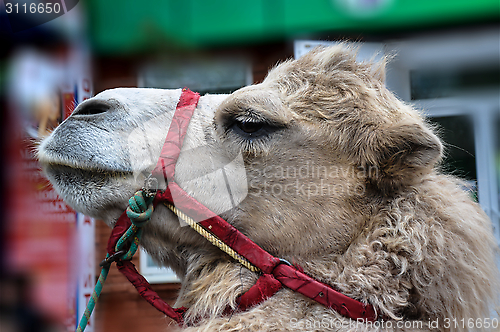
<point x="77" y="176"/>
<point x="52" y="160"/>
<point x="93" y="192"/>
<point x="55" y="168"/>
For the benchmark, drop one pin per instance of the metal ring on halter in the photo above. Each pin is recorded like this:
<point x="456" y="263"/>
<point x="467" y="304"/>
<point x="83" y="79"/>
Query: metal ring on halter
<point x="284" y="261"/>
<point x="150" y="186"/>
<point x="113" y="258"/>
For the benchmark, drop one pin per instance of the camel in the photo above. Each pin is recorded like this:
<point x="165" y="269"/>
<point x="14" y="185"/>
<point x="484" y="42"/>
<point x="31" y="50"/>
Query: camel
<point x="327" y="169"/>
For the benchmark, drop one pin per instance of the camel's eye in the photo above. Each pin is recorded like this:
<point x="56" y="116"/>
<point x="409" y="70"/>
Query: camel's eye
<point x="250" y="127"/>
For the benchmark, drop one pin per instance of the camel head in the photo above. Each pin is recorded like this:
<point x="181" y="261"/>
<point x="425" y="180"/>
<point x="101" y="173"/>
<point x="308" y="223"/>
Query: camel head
<point x="319" y="164"/>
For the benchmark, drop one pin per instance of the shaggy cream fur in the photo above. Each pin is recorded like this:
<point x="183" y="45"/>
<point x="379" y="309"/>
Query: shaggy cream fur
<point x="342" y="180"/>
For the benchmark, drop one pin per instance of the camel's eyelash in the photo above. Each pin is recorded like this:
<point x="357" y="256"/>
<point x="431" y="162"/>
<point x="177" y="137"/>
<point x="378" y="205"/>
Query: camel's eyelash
<point x="251" y="128"/>
<point x="249" y="115"/>
<point x="245" y="142"/>
<point x="231" y="126"/>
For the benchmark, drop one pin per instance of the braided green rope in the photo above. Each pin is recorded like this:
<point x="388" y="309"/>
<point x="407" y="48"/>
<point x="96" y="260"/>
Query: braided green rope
<point x="95" y="295"/>
<point x="139" y="211"/>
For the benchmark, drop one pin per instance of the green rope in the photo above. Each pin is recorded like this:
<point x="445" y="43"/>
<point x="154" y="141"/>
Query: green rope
<point x="139" y="211"/>
<point x="95" y="295"/>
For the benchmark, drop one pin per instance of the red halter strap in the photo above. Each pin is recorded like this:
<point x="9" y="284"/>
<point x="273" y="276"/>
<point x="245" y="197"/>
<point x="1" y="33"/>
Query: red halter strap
<point x="276" y="273"/>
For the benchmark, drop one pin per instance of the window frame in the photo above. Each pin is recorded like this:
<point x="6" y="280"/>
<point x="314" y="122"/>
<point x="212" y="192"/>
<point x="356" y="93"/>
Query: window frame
<point x="452" y="51"/>
<point x="155" y="274"/>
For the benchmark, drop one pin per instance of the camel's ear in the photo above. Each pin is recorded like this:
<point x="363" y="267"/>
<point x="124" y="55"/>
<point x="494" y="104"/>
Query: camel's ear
<point x="402" y="154"/>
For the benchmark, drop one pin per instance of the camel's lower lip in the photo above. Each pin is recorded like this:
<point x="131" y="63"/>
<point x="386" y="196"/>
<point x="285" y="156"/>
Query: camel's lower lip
<point x="62" y="173"/>
<point x="51" y="157"/>
<point x="54" y="161"/>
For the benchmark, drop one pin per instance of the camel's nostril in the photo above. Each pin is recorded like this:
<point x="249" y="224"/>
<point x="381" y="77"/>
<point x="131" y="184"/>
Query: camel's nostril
<point x="92" y="107"/>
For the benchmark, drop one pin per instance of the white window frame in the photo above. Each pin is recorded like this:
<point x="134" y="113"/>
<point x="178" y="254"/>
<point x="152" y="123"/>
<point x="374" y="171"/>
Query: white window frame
<point x="482" y="111"/>
<point x="153" y="273"/>
<point x="456" y="51"/>
<point x="366" y="51"/>
<point x="452" y="51"/>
